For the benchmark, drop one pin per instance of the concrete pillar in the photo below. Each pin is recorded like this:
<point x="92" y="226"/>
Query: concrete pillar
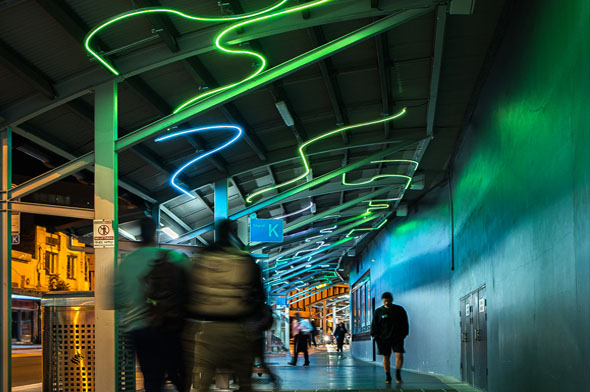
<point x="221" y="208"/>
<point x="105" y="207"/>
<point x="5" y="253"/>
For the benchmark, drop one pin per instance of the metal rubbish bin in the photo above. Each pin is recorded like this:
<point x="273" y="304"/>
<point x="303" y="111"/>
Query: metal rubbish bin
<point x="69" y="345"/>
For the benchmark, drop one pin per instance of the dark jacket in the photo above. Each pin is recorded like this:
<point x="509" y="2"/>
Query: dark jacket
<point x="340" y="333"/>
<point x="389" y="323"/>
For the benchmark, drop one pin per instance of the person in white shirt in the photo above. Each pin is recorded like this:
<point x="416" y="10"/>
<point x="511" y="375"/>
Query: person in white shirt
<point x="301" y="328"/>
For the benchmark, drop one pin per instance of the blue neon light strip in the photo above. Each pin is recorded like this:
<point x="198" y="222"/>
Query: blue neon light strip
<point x="238" y="133"/>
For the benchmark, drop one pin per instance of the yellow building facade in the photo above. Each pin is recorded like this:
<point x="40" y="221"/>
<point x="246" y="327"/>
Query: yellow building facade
<point x="59" y="263"/>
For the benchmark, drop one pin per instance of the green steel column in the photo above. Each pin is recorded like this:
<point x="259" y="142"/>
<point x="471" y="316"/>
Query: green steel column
<point x="221" y="211"/>
<point x="5" y="250"/>
<point x="156" y="218"/>
<point x="105" y="207"/>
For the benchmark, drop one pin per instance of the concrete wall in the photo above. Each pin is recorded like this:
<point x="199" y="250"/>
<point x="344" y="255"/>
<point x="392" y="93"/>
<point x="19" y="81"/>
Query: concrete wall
<point x="521" y="197"/>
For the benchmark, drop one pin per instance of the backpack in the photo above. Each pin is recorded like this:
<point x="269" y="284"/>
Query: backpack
<point x="165" y="292"/>
<point x="222" y="286"/>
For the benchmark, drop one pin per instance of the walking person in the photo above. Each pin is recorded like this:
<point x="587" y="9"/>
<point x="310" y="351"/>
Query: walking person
<point x="301" y="328"/>
<point x="150" y="290"/>
<point x="389" y="329"/>
<point x="226" y="295"/>
<point x="340" y="334"/>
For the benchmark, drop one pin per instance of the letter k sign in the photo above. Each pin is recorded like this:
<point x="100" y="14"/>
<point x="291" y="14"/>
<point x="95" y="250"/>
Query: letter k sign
<point x="272" y="231"/>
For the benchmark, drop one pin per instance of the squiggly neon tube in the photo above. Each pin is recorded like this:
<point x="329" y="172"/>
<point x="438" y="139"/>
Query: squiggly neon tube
<point x="296" y="212"/>
<point x="257" y="17"/>
<point x="407" y="178"/>
<point x="143" y="11"/>
<point x="237" y="135"/>
<point x="308" y="143"/>
<point x="367" y="228"/>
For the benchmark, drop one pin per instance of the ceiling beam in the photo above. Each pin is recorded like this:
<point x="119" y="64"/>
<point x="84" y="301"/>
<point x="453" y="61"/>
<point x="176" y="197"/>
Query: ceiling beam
<point x="201" y="74"/>
<point x="162" y="24"/>
<point x="384" y="64"/>
<point x="238" y="190"/>
<point x="181" y="223"/>
<point x="145" y="91"/>
<point x="273" y="178"/>
<point x="318" y="38"/>
<point x="280" y="95"/>
<point x="439" y="38"/>
<point x="26" y="71"/>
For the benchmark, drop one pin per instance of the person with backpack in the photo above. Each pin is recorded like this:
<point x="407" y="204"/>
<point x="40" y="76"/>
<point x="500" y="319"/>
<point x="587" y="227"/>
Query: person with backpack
<point x="301" y="329"/>
<point x="150" y="292"/>
<point x="227" y="311"/>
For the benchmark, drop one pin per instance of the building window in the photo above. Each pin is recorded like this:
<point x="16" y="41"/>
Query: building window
<point x="362" y="311"/>
<point x="72" y="266"/>
<point x="86" y="270"/>
<point x="51" y="263"/>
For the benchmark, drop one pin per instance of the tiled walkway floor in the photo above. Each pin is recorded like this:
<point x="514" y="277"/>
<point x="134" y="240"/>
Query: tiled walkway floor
<point x="339" y="372"/>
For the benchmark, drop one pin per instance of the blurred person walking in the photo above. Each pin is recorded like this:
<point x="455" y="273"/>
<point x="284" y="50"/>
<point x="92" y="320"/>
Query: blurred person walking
<point x="340" y="334"/>
<point x="301" y="329"/>
<point x="226" y="309"/>
<point x="150" y="290"/>
<point x="389" y="329"/>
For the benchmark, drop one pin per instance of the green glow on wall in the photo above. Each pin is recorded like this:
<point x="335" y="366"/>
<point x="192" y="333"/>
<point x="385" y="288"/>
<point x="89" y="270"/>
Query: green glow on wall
<point x="321" y="137"/>
<point x="251" y="18"/>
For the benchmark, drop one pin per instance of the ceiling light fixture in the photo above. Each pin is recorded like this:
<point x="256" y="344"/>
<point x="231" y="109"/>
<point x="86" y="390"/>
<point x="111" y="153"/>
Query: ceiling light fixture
<point x="285" y="113"/>
<point x="170" y="233"/>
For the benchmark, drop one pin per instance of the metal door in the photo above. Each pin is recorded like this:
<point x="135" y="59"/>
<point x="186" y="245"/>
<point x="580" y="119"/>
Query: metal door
<point x="480" y="348"/>
<point x="466" y="324"/>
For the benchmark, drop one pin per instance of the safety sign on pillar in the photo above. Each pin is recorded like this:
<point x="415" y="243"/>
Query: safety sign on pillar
<point x="266" y="230"/>
<point x="103" y="234"/>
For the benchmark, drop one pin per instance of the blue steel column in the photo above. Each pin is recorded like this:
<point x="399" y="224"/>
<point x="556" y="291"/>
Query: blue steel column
<point x="5" y="251"/>
<point x="221" y="210"/>
<point x="105" y="207"/>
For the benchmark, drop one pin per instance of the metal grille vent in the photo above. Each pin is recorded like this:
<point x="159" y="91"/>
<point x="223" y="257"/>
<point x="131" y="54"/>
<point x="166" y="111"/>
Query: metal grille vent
<point x="73" y="358"/>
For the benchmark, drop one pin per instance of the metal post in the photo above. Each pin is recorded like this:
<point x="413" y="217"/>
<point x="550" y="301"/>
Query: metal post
<point x="221" y="211"/>
<point x="156" y="213"/>
<point x="5" y="250"/>
<point x="325" y="318"/>
<point x="334" y="321"/>
<point x="105" y="206"/>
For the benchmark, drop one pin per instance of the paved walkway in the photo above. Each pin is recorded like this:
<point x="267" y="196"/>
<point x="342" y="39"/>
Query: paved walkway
<point x="339" y="372"/>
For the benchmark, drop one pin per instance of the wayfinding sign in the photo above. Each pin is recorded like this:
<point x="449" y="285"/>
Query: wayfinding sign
<point x="103" y="234"/>
<point x="266" y="230"/>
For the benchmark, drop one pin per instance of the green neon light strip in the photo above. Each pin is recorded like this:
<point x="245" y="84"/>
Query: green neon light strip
<point x="308" y="143"/>
<point x="144" y="11"/>
<point x="218" y="40"/>
<point x="367" y="228"/>
<point x="407" y="178"/>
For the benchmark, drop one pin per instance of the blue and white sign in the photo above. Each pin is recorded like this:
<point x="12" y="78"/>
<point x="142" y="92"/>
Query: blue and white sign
<point x="266" y="230"/>
<point x="16" y="239"/>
